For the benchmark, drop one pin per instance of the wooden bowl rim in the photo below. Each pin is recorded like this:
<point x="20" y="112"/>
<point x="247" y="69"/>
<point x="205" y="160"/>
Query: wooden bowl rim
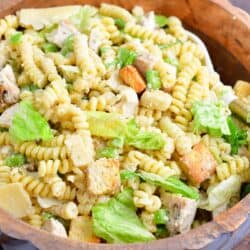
<point x="225" y="223"/>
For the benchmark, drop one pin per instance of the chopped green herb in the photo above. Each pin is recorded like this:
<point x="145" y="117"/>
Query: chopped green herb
<point x="30" y="87"/>
<point x="161" y="21"/>
<point x="120" y="23"/>
<point x="237" y="137"/>
<point x="161" y="232"/>
<point x="153" y="79"/>
<point x="67" y="45"/>
<point x="28" y="124"/>
<point x="49" y="47"/>
<point x="15" y="160"/>
<point x="107" y="152"/>
<point x="16" y="38"/>
<point x="125" y="57"/>
<point x="161" y="217"/>
<point x="172" y="61"/>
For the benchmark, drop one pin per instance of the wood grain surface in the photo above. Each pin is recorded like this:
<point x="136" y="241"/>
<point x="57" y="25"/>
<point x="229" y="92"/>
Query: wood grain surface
<point x="227" y="34"/>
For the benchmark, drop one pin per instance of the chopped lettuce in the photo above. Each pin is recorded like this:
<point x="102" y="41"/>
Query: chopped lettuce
<point x="172" y="61"/>
<point x="117" y="222"/>
<point x="161" y="21"/>
<point x="16" y="38"/>
<point x="171" y="184"/>
<point x="111" y="125"/>
<point x="107" y="125"/>
<point x="49" y="47"/>
<point x="107" y="152"/>
<point x="210" y="118"/>
<point x="28" y="124"/>
<point x="120" y="23"/>
<point x="237" y="137"/>
<point x="146" y="140"/>
<point x="67" y="45"/>
<point x="15" y="160"/>
<point x="221" y="193"/>
<point x="117" y="142"/>
<point x="161" y="217"/>
<point x="125" y="57"/>
<point x="153" y="79"/>
<point x="48" y="29"/>
<point x="82" y="19"/>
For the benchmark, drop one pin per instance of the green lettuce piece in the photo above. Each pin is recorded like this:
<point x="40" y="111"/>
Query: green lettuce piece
<point x="237" y="137"/>
<point x="117" y="222"/>
<point x="153" y="79"/>
<point x="15" y="160"/>
<point x="161" y="21"/>
<point x="107" y="125"/>
<point x="210" y="118"/>
<point x="82" y="19"/>
<point x="172" y="61"/>
<point x="67" y="45"/>
<point x="16" y="38"/>
<point x="28" y="124"/>
<point x="107" y="152"/>
<point x="49" y="47"/>
<point x="125" y="57"/>
<point x="117" y="142"/>
<point x="160" y="217"/>
<point x="146" y="140"/>
<point x="127" y="175"/>
<point x="120" y="23"/>
<point x="48" y="29"/>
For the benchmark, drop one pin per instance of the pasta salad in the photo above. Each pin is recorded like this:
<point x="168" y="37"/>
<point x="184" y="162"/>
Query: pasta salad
<point x="115" y="126"/>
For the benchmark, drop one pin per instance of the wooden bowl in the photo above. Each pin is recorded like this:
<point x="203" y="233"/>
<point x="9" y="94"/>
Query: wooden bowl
<point x="226" y="31"/>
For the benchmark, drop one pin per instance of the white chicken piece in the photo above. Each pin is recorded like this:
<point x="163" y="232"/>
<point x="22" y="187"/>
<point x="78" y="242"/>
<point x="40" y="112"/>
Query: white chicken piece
<point x="63" y="31"/>
<point x="127" y="103"/>
<point x="145" y="61"/>
<point x="148" y="21"/>
<point x="55" y="227"/>
<point x="181" y="212"/>
<point x="156" y="99"/>
<point x="114" y="81"/>
<point x="96" y="37"/>
<point x="80" y="148"/>
<point x="7" y="116"/>
<point x="9" y="91"/>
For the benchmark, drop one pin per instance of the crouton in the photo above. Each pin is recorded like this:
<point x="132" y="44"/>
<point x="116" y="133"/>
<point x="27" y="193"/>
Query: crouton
<point x="181" y="212"/>
<point x="132" y="78"/>
<point x="55" y="227"/>
<point x="80" y="149"/>
<point x="242" y="89"/>
<point x="7" y="116"/>
<point x="103" y="177"/>
<point x="145" y="61"/>
<point x="198" y="164"/>
<point x="81" y="229"/>
<point x="156" y="99"/>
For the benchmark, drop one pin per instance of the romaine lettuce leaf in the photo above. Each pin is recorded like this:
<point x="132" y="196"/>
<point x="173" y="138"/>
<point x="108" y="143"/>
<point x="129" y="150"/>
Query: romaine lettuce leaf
<point x="28" y="124"/>
<point x="117" y="222"/>
<point x="107" y="152"/>
<point x="210" y="118"/>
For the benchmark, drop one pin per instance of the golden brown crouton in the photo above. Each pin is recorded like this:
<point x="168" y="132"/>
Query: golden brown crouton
<point x="81" y="229"/>
<point x="103" y="176"/>
<point x="242" y="89"/>
<point x="132" y="78"/>
<point x="199" y="164"/>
